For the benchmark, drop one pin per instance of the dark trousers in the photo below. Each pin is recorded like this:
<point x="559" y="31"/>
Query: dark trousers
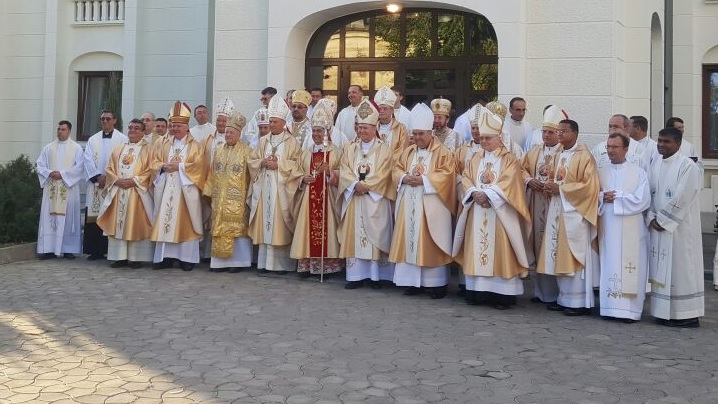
<point x="93" y="242"/>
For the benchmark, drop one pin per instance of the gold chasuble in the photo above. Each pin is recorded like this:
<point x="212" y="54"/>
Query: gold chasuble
<point x="271" y="193"/>
<point x="128" y="214"/>
<point x="227" y="184"/>
<point x="576" y="175"/>
<point x="369" y="236"/>
<point x="177" y="204"/>
<point x="396" y="137"/>
<point x="416" y="240"/>
<point x="489" y="241"/>
<point x="315" y="235"/>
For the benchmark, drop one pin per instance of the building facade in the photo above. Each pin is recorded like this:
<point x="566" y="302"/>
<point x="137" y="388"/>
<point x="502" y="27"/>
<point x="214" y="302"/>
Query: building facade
<point x="68" y="59"/>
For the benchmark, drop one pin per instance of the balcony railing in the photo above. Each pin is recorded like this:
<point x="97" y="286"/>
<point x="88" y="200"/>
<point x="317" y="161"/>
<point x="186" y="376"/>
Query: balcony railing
<point x="99" y="12"/>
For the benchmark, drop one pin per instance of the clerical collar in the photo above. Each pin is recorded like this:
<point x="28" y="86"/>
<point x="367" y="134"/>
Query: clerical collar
<point x="572" y="148"/>
<point x="551" y="148"/>
<point x="180" y="140"/>
<point x="671" y="158"/>
<point x="515" y="122"/>
<point x="387" y="124"/>
<point x="367" y="145"/>
<point x="107" y="135"/>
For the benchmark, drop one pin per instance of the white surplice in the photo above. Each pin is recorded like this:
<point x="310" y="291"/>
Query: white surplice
<point x="97" y="154"/>
<point x="60" y="233"/>
<point x="676" y="254"/>
<point x="200" y="132"/>
<point x="636" y="154"/>
<point x="345" y="122"/>
<point x="624" y="263"/>
<point x="520" y="131"/>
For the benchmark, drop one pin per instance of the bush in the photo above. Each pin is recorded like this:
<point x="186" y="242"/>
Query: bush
<point x="20" y="199"/>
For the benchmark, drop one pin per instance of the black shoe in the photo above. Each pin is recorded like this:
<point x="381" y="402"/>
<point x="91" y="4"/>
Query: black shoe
<point x="535" y="299"/>
<point x="412" y="291"/>
<point x="69" y="256"/>
<point x="375" y="284"/>
<point x="205" y="260"/>
<point x="234" y="270"/>
<point x="685" y="323"/>
<point x="304" y="275"/>
<point x="280" y="272"/>
<point x="262" y="271"/>
<point x="93" y="257"/>
<point x="438" y="293"/>
<point x="119" y="264"/>
<point x="353" y="284"/>
<point x="186" y="266"/>
<point x="219" y="269"/>
<point x="166" y="263"/>
<point x="553" y="306"/>
<point x="46" y="256"/>
<point x="628" y="321"/>
<point x="579" y="311"/>
<point x="461" y="292"/>
<point x="134" y="264"/>
<point x="500" y="306"/>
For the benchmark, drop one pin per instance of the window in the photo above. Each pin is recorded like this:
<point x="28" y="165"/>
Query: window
<point x="710" y="111"/>
<point x="428" y="52"/>
<point x="97" y="91"/>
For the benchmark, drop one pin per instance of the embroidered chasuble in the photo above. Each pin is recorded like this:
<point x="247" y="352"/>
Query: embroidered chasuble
<point x="395" y="135"/>
<point x="572" y="215"/>
<point x="366" y="228"/>
<point x="415" y="241"/>
<point x="271" y="193"/>
<point x="540" y="164"/>
<point x="315" y="235"/>
<point x="489" y="241"/>
<point x="228" y="184"/>
<point x="178" y="211"/>
<point x="675" y="254"/>
<point x="128" y="214"/>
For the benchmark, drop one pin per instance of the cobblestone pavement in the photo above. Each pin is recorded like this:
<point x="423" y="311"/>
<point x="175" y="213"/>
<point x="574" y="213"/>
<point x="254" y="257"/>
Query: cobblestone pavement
<point x="80" y="332"/>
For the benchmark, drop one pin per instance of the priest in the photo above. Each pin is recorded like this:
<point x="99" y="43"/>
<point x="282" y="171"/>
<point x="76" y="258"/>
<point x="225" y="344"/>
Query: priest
<point x="489" y="242"/>
<point x="365" y="195"/>
<point x="299" y="125"/>
<point x="127" y="213"/>
<point x="391" y="131"/>
<point x="346" y="118"/>
<point x="424" y="176"/>
<point x="178" y="169"/>
<point x="442" y="113"/>
<point x="271" y="196"/>
<point x="60" y="168"/>
<point x="227" y="186"/>
<point x="623" y="250"/>
<point x="676" y="248"/>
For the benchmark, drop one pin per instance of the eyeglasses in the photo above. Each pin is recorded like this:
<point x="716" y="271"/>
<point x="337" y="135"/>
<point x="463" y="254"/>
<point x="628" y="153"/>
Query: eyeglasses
<point x="135" y="127"/>
<point x="106" y="118"/>
<point x="562" y="131"/>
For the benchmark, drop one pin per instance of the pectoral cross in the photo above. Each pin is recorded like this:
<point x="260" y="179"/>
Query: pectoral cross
<point x="654" y="252"/>
<point x="630" y="267"/>
<point x="675" y="206"/>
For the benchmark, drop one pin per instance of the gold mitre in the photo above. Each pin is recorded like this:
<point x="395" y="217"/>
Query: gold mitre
<point x="489" y="123"/>
<point x="328" y="104"/>
<point x="367" y="113"/>
<point x="180" y="112"/>
<point x="302" y="97"/>
<point x="278" y="108"/>
<point x="236" y="121"/>
<point x="262" y="116"/>
<point x="421" y="117"/>
<point x="553" y="116"/>
<point x="322" y="116"/>
<point x="498" y="109"/>
<point x="385" y="96"/>
<point x="225" y="107"/>
<point x="441" y="106"/>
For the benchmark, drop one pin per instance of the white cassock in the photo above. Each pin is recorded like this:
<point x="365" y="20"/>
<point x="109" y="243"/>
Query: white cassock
<point x="408" y="273"/>
<point x="402" y="115"/>
<point x="345" y="122"/>
<point x="689" y="150"/>
<point x="200" y="132"/>
<point x="520" y="132"/>
<point x="676" y="254"/>
<point x="635" y="154"/>
<point x="650" y="152"/>
<point x="60" y="230"/>
<point x="97" y="154"/>
<point x="623" y="240"/>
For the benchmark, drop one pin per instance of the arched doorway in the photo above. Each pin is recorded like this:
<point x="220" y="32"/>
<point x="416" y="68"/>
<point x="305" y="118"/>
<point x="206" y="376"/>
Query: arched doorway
<point x="426" y="52"/>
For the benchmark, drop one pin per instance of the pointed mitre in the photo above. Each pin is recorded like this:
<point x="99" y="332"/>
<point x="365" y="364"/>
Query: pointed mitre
<point x="225" y="107"/>
<point x="497" y="109"/>
<point x="236" y="121"/>
<point x="328" y="104"/>
<point x="302" y="97"/>
<point x="489" y="124"/>
<point x="262" y="116"/>
<point x="322" y="116"/>
<point x="385" y="96"/>
<point x="553" y="116"/>
<point x="367" y="113"/>
<point x="421" y="117"/>
<point x="180" y="112"/>
<point x="278" y="108"/>
<point x="441" y="106"/>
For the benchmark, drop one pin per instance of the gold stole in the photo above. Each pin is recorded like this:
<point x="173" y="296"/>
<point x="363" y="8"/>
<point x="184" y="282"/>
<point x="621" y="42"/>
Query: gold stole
<point x="57" y="189"/>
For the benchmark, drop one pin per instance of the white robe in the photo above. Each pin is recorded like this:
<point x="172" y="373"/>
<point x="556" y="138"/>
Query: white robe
<point x="676" y="254"/>
<point x="520" y="132"/>
<point x="535" y="139"/>
<point x="250" y="133"/>
<point x="635" y="154"/>
<point x="56" y="233"/>
<point x="650" y="152"/>
<point x="96" y="156"/>
<point x="345" y="122"/>
<point x="627" y="210"/>
<point x="200" y="132"/>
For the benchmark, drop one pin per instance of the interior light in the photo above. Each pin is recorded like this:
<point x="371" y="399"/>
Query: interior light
<point x="393" y="8"/>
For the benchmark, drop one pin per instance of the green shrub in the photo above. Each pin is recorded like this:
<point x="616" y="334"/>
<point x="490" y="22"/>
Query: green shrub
<point x="20" y="198"/>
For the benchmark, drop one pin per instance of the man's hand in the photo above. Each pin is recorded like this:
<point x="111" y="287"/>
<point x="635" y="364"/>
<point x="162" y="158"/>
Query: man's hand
<point x="101" y="181"/>
<point x="655" y="226"/>
<point x="361" y="189"/>
<point x="309" y="179"/>
<point x="55" y="175"/>
<point x="269" y="163"/>
<point x="535" y="185"/>
<point x="412" y="180"/>
<point x="333" y="179"/>
<point x="170" y="167"/>
<point x="550" y="189"/>
<point x="480" y="198"/>
<point x="609" y="196"/>
<point x="125" y="183"/>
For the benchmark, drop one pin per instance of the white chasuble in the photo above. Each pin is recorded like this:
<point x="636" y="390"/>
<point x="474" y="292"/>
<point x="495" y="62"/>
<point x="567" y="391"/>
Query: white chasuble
<point x="365" y="204"/>
<point x="553" y="214"/>
<point x="413" y="205"/>
<point x="484" y="219"/>
<point x="675" y="254"/>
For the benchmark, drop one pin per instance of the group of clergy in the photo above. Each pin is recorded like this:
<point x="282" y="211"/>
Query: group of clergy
<point x="392" y="202"/>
